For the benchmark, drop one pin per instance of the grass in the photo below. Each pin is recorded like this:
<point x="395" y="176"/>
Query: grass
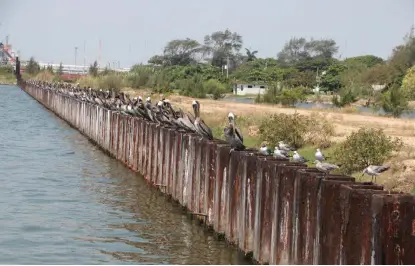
<point x="8" y="79"/>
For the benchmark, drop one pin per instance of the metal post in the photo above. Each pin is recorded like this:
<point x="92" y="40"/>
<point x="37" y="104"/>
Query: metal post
<point x="76" y="51"/>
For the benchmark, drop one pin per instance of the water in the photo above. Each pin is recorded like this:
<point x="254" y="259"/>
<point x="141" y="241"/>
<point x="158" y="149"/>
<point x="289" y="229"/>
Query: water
<point x="63" y="201"/>
<point x="307" y="105"/>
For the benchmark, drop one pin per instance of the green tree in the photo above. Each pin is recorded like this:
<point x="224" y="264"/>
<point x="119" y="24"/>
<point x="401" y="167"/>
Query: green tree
<point x="367" y="60"/>
<point x="59" y="72"/>
<point x="394" y="101"/>
<point x="221" y="45"/>
<point x="32" y="67"/>
<point x="250" y="55"/>
<point x="181" y="52"/>
<point x="93" y="69"/>
<point x="50" y="69"/>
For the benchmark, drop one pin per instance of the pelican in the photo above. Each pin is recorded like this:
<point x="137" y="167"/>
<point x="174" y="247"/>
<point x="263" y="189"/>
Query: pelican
<point x="375" y="170"/>
<point x="233" y="135"/>
<point x="199" y="124"/>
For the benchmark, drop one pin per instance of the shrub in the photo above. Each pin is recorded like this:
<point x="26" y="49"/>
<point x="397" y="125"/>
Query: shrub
<point x="88" y="81"/>
<point x="284" y="127"/>
<point x="365" y="147"/>
<point x="45" y="76"/>
<point x="394" y="101"/>
<point x="297" y="130"/>
<point x="346" y="98"/>
<point x="214" y="87"/>
<point x="320" y="131"/>
<point x="111" y="81"/>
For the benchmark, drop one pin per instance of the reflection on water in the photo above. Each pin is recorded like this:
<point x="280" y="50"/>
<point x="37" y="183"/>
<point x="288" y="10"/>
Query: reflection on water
<point x="66" y="202"/>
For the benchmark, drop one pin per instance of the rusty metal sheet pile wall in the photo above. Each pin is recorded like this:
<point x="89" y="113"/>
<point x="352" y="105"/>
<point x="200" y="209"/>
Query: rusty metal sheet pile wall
<point x="280" y="212"/>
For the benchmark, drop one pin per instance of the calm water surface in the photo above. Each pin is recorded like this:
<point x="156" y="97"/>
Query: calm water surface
<point x="63" y="201"/>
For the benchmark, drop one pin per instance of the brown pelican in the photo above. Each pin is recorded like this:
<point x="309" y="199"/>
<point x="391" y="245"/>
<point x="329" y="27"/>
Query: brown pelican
<point x="199" y="124"/>
<point x="233" y="136"/>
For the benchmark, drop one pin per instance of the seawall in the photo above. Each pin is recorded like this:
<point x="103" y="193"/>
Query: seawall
<point x="280" y="212"/>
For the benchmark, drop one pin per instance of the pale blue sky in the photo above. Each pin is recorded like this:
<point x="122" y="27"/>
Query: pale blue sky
<point x="50" y="29"/>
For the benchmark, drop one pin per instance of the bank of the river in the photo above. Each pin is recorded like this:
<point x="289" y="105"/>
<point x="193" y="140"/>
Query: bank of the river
<point x="7" y="79"/>
<point x="63" y="201"/>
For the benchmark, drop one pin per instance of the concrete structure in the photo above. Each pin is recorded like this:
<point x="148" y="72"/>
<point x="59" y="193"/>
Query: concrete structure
<point x="280" y="212"/>
<point x="249" y="89"/>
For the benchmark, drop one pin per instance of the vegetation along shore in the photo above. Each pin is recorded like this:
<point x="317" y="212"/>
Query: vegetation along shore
<point x="304" y="70"/>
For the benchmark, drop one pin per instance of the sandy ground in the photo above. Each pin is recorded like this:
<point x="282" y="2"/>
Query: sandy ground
<point x="400" y="177"/>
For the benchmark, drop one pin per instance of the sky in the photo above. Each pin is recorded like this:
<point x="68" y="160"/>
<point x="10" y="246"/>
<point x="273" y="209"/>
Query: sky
<point x="131" y="31"/>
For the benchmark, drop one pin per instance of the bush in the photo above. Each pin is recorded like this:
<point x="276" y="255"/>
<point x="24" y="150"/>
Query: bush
<point x="297" y="130"/>
<point x="285" y="97"/>
<point x="346" y="98"/>
<point x="365" y="147"/>
<point x="214" y="87"/>
<point x="394" y="101"/>
<point x="88" y="81"/>
<point x="111" y="81"/>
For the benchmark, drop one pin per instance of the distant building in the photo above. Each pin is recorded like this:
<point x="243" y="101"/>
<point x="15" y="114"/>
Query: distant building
<point x="249" y="89"/>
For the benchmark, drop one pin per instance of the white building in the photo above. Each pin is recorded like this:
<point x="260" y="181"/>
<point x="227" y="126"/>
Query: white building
<point x="249" y="89"/>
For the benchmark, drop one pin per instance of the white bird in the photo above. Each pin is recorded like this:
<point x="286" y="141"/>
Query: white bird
<point x="279" y="154"/>
<point x="325" y="167"/>
<point x="148" y="99"/>
<point x="285" y="147"/>
<point x="264" y="149"/>
<point x="298" y="158"/>
<point x="375" y="170"/>
<point x="319" y="156"/>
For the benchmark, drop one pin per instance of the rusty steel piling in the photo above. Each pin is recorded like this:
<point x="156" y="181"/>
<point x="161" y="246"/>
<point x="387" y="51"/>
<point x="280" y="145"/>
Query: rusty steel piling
<point x="277" y="211"/>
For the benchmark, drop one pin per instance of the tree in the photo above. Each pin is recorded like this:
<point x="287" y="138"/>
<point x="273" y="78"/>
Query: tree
<point x="93" y="69"/>
<point x="181" y="52"/>
<point x="222" y="45"/>
<point x="250" y="55"/>
<point x="367" y="60"/>
<point x="32" y="67"/>
<point x="50" y="69"/>
<point x="59" y="72"/>
<point x="307" y="55"/>
<point x="394" y="101"/>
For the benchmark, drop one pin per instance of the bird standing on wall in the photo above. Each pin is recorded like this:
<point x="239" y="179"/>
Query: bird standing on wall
<point x="285" y="147"/>
<point x="233" y="136"/>
<point x="298" y="158"/>
<point x="200" y="126"/>
<point x="375" y="170"/>
<point x="319" y="156"/>
<point x="265" y="150"/>
<point x="325" y="167"/>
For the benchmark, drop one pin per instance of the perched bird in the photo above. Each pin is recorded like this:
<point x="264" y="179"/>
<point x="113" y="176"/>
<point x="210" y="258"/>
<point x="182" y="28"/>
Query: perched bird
<point x="265" y="150"/>
<point x="298" y="158"/>
<point x="279" y="154"/>
<point x="285" y="147"/>
<point x="375" y="170"/>
<point x="319" y="156"/>
<point x="200" y="126"/>
<point x="233" y="136"/>
<point x="325" y="167"/>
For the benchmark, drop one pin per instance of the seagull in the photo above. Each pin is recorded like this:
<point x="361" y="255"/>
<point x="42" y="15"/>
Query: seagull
<point x="325" y="167"/>
<point x="279" y="154"/>
<point x="375" y="170"/>
<point x="285" y="147"/>
<point x="319" y="156"/>
<point x="298" y="158"/>
<point x="265" y="150"/>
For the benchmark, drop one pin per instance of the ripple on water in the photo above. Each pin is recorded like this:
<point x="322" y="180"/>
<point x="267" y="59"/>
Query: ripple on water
<point x="63" y="201"/>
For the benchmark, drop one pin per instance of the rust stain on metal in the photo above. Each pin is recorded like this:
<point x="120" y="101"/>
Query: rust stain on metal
<point x="283" y="213"/>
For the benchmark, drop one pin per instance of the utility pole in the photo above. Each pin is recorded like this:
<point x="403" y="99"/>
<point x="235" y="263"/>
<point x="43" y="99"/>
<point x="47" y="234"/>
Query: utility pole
<point x="227" y="66"/>
<point x="84" y="55"/>
<point x="76" y="51"/>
